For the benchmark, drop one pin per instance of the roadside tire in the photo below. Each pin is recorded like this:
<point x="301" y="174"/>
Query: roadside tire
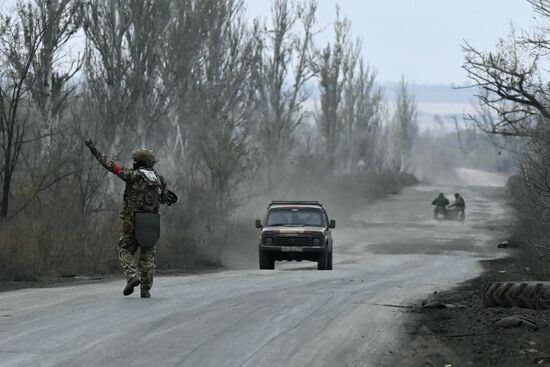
<point x="322" y="263"/>
<point x="266" y="261"/>
<point x="533" y="295"/>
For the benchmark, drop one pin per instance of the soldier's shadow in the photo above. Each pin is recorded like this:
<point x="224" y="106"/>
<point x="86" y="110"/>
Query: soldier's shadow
<point x="147" y="300"/>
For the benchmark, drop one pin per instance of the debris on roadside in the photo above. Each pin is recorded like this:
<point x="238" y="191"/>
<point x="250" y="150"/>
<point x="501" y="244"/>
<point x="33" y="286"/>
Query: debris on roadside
<point x="466" y="333"/>
<point x="433" y="305"/>
<point x="528" y="294"/>
<point x="516" y="321"/>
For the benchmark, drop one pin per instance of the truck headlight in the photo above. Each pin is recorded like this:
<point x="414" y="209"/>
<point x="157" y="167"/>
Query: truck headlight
<point x="268" y="241"/>
<point x="316" y="242"/>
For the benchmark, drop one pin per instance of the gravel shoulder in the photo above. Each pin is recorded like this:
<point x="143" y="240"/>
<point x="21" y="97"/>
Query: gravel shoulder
<point x="465" y="333"/>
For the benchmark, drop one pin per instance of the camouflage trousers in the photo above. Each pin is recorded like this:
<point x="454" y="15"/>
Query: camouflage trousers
<point x="127" y="247"/>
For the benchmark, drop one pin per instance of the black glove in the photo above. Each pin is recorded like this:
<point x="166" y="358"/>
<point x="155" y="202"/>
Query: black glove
<point x="90" y="144"/>
<point x="171" y="197"/>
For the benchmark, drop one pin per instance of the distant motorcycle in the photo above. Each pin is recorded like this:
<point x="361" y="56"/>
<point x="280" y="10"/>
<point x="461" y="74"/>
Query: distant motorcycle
<point x="443" y="213"/>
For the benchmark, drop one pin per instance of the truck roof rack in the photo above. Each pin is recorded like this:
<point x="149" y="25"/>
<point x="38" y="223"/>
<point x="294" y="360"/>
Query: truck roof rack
<point x="294" y="202"/>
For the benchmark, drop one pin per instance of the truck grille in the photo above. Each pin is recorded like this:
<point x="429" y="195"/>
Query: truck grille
<point x="292" y="241"/>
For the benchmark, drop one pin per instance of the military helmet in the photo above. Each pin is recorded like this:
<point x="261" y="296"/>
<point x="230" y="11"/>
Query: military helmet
<point x="145" y="156"/>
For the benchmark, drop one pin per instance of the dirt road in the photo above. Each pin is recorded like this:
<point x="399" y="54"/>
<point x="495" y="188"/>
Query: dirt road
<point x="294" y="316"/>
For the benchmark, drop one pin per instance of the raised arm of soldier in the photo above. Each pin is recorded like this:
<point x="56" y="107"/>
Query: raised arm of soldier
<point x="121" y="171"/>
<point x="167" y="196"/>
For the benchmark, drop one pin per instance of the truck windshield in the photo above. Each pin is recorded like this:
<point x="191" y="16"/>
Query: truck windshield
<point x="295" y="217"/>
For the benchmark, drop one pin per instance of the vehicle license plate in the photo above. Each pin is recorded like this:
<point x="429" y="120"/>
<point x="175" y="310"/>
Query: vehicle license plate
<point x="291" y="249"/>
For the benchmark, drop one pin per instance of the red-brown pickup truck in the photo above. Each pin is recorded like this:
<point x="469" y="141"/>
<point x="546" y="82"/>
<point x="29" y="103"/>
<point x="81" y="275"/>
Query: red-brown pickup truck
<point x="296" y="230"/>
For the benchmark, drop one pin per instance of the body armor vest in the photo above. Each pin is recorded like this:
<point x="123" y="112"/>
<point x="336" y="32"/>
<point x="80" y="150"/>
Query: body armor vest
<point x="143" y="193"/>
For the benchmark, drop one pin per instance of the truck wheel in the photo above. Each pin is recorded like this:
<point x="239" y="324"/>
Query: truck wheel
<point x="533" y="295"/>
<point x="266" y="261"/>
<point x="329" y="262"/>
<point x="322" y="263"/>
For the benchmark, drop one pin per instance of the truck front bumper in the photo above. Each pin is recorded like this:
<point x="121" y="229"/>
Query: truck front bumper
<point x="293" y="249"/>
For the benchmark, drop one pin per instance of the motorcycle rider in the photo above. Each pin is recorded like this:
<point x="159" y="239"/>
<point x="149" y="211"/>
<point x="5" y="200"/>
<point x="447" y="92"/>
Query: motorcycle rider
<point x="459" y="205"/>
<point x="440" y="203"/>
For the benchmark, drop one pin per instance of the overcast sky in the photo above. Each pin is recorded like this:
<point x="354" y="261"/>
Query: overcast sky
<point x="421" y="38"/>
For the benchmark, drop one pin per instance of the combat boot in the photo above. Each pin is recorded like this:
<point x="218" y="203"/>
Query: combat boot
<point x="145" y="293"/>
<point x="129" y="289"/>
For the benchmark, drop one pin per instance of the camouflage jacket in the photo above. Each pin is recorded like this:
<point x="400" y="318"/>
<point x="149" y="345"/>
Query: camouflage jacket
<point x="145" y="188"/>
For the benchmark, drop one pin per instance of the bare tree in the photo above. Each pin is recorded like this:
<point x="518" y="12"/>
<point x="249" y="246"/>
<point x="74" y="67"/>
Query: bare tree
<point x="223" y="102"/>
<point x="510" y="80"/>
<point x="186" y="31"/>
<point x="20" y="40"/>
<point x="512" y="90"/>
<point x="333" y="66"/>
<point x="281" y="76"/>
<point x="50" y="91"/>
<point x="123" y="57"/>
<point x="535" y="168"/>
<point x="53" y="68"/>
<point x="514" y="97"/>
<point x="404" y="128"/>
<point x="362" y="116"/>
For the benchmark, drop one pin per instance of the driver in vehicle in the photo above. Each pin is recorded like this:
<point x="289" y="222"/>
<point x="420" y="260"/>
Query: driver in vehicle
<point x="277" y="219"/>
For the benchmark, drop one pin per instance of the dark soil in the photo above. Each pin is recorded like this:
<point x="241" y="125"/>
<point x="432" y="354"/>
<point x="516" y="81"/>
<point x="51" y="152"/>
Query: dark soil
<point x="465" y="334"/>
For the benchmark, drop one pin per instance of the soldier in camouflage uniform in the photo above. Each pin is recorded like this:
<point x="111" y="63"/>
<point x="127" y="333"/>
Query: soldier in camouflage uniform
<point x="145" y="191"/>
